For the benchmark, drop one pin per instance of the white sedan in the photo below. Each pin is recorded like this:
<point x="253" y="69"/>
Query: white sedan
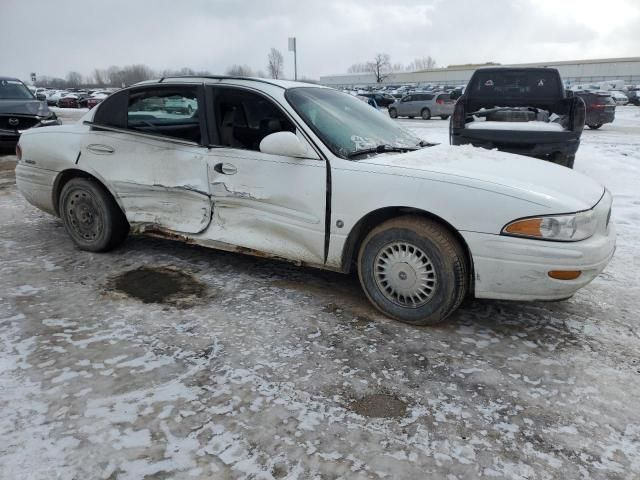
<point x="315" y="176"/>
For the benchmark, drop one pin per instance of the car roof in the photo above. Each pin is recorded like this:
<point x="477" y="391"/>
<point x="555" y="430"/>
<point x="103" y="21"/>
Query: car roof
<point x="217" y="79"/>
<point x="11" y="78"/>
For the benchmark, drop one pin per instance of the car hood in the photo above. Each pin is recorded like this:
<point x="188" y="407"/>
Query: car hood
<point x="560" y="189"/>
<point x="24" y="107"/>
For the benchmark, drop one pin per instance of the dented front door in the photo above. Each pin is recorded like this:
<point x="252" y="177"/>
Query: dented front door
<point x="268" y="203"/>
<point x="161" y="184"/>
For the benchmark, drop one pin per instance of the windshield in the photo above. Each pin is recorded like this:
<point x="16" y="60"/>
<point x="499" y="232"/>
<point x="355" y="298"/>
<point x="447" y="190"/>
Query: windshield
<point x="346" y="124"/>
<point x="14" y="90"/>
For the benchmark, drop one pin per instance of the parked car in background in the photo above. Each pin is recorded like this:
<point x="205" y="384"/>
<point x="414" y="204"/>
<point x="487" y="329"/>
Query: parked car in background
<point x="179" y="104"/>
<point x="519" y="110"/>
<point x="619" y="97"/>
<point x="424" y="105"/>
<point x="634" y="95"/>
<point x="20" y="110"/>
<point x="96" y="98"/>
<point x="382" y="99"/>
<point x="68" y="100"/>
<point x="600" y="108"/>
<point x="424" y="225"/>
<point x="53" y="97"/>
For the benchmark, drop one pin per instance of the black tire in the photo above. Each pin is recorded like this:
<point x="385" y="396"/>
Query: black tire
<point x="444" y="117"/>
<point x="91" y="216"/>
<point x="594" y="126"/>
<point x="393" y="113"/>
<point x="564" y="159"/>
<point x="437" y="251"/>
<point x="425" y="114"/>
<point x="410" y="116"/>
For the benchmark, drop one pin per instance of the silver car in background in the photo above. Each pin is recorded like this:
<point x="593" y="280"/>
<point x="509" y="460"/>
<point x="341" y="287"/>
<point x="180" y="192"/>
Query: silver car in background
<point x="425" y="105"/>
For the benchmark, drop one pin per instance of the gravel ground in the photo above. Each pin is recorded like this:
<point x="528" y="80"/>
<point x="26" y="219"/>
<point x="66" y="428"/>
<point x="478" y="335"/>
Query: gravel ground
<point x="167" y="361"/>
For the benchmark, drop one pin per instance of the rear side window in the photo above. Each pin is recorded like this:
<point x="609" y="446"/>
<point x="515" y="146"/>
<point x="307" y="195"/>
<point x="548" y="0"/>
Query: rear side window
<point x="168" y="112"/>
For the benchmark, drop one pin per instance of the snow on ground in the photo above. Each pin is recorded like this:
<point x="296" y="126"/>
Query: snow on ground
<point x="284" y="372"/>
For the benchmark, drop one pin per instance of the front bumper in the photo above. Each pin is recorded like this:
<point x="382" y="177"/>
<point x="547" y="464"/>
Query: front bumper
<point x="511" y="268"/>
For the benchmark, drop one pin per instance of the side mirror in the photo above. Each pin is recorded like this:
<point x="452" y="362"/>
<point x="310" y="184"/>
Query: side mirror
<point x="41" y="96"/>
<point x="283" y="143"/>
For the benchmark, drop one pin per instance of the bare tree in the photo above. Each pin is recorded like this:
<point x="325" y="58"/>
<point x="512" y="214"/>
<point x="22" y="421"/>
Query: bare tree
<point x="74" y="79"/>
<point x="422" y="63"/>
<point x="380" y="67"/>
<point x="358" y="68"/>
<point x="240" y="71"/>
<point x="275" y="63"/>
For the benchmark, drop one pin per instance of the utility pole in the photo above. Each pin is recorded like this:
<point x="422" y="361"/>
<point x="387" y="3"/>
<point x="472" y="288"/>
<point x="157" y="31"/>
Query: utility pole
<point x="292" y="48"/>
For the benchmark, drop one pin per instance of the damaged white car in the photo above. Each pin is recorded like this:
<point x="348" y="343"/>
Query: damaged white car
<point x="317" y="177"/>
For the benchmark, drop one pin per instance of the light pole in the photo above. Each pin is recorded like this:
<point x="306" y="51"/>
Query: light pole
<point x="292" y="48"/>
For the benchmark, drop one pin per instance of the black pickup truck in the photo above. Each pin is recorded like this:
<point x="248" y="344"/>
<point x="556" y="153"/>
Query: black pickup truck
<point x="519" y="110"/>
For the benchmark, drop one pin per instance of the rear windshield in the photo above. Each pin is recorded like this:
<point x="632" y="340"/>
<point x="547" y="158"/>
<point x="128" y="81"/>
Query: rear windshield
<point x="445" y="97"/>
<point x="532" y="84"/>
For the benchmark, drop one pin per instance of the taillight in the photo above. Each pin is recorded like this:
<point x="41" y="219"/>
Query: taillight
<point x="458" y="118"/>
<point x="18" y="152"/>
<point x="440" y="101"/>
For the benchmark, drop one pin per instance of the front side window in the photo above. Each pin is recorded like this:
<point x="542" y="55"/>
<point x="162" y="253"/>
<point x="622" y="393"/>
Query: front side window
<point x="169" y="112"/>
<point x="14" y="90"/>
<point x="347" y="125"/>
<point x="244" y="118"/>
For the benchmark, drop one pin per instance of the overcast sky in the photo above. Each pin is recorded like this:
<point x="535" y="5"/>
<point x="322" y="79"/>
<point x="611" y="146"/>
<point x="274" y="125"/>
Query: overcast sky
<point x="52" y="37"/>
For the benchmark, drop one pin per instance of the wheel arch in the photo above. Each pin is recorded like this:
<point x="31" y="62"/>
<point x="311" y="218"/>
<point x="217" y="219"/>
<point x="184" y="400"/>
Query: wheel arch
<point x="64" y="176"/>
<point x="374" y="218"/>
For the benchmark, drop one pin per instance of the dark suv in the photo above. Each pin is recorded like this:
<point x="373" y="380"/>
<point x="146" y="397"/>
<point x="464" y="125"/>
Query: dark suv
<point x="20" y="110"/>
<point x="600" y="108"/>
<point x="519" y="110"/>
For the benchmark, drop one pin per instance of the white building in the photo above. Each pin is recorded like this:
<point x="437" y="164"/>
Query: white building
<point x="573" y="71"/>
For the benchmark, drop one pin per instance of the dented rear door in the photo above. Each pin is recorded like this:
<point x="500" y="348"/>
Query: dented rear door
<point x="160" y="184"/>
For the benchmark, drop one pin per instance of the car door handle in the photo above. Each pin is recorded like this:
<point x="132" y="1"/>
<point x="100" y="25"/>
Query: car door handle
<point x="225" y="168"/>
<point x="100" y="149"/>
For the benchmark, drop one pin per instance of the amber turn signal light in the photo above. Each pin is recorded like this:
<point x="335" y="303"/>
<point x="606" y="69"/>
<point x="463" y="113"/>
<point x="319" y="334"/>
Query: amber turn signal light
<point x="565" y="274"/>
<point x="530" y="227"/>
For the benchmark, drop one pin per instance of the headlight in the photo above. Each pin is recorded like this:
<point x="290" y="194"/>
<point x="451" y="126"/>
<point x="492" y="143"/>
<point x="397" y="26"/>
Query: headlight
<point x="564" y="228"/>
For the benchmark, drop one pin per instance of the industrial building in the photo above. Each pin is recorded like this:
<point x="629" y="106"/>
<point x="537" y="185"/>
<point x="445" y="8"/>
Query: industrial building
<point x="572" y="72"/>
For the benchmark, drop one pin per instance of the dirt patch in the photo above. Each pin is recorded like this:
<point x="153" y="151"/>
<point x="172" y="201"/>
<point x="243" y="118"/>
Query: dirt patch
<point x="159" y="285"/>
<point x="7" y="165"/>
<point x="379" y="405"/>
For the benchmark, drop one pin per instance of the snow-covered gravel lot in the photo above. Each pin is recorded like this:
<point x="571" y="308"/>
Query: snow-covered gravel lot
<point x="273" y="371"/>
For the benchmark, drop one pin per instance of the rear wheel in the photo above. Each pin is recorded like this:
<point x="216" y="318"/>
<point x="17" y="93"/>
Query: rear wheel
<point x="425" y="114"/>
<point x="594" y="126"/>
<point x="91" y="216"/>
<point x="393" y="113"/>
<point x="413" y="270"/>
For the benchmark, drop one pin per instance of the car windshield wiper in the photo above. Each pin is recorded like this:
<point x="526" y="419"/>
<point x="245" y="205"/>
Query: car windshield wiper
<point x="424" y="143"/>
<point x="380" y="149"/>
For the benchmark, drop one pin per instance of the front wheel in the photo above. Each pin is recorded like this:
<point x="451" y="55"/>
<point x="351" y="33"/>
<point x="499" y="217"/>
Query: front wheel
<point x="594" y="126"/>
<point x="413" y="270"/>
<point x="425" y="114"/>
<point x="91" y="216"/>
<point x="393" y="113"/>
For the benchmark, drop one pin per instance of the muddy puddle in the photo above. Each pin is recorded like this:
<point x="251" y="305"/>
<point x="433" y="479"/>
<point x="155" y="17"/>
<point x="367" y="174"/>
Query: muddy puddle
<point x="379" y="405"/>
<point x="159" y="285"/>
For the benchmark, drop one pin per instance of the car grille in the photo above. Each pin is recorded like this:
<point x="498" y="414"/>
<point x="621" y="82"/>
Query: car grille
<point x="7" y="122"/>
